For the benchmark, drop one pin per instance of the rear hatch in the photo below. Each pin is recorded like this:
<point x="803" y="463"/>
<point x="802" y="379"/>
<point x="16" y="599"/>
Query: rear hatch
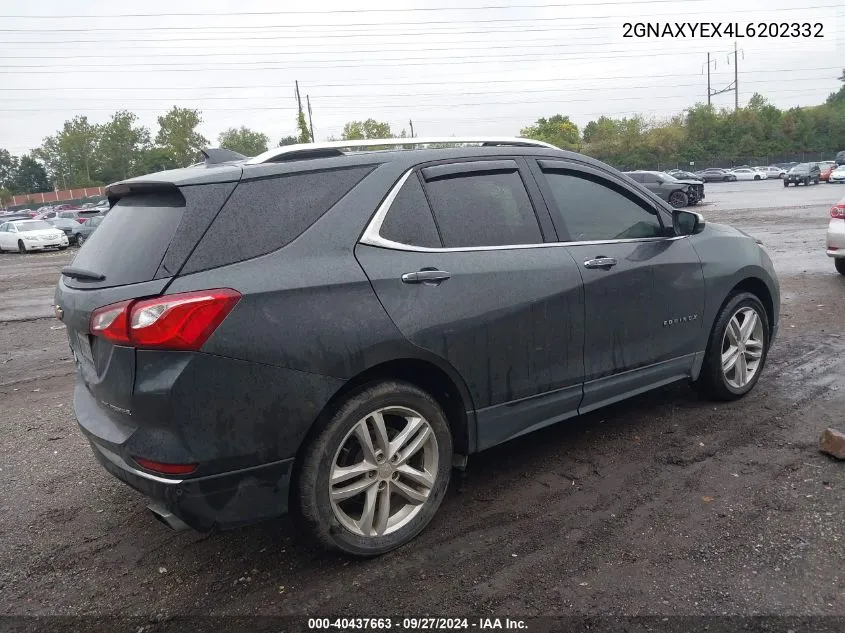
<point x="140" y="245"/>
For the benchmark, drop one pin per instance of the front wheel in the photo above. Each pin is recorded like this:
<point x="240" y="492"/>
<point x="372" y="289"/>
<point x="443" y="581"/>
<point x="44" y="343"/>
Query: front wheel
<point x="737" y="349"/>
<point x="21" y="247"/>
<point x="377" y="472"/>
<point x="756" y="177"/>
<point x="678" y="199"/>
<point x="839" y="262"/>
<point x="785" y="184"/>
<point x="80" y="240"/>
<point x="816" y="181"/>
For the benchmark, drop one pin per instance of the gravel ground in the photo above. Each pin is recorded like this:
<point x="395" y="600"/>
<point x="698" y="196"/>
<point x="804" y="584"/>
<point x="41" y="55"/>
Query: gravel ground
<point x="664" y="505"/>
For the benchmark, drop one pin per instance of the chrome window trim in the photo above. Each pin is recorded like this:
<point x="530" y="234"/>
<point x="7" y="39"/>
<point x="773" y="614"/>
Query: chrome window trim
<point x="372" y="234"/>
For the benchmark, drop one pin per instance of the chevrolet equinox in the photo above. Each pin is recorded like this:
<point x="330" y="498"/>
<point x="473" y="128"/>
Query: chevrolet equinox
<point x="330" y="331"/>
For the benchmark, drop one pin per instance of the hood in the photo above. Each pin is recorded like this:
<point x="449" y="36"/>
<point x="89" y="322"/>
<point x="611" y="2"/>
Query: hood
<point x="730" y="230"/>
<point x="689" y="181"/>
<point x="50" y="233"/>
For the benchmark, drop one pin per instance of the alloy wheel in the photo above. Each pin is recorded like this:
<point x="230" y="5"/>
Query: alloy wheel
<point x="384" y="471"/>
<point x="742" y="347"/>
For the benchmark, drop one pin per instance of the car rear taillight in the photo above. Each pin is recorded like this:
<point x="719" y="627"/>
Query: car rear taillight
<point x="181" y="321"/>
<point x="166" y="469"/>
<point x="81" y="220"/>
<point x="837" y="211"/>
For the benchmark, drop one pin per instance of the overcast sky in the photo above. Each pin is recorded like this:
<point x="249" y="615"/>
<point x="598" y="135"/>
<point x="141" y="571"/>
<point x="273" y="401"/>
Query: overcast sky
<point x="452" y="69"/>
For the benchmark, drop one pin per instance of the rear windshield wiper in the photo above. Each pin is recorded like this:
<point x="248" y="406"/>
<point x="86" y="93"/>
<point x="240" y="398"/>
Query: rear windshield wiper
<point x="79" y="273"/>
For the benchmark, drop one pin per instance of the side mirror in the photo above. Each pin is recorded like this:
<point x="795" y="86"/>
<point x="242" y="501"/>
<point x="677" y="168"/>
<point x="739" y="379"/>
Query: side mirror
<point x="660" y="181"/>
<point x="687" y="222"/>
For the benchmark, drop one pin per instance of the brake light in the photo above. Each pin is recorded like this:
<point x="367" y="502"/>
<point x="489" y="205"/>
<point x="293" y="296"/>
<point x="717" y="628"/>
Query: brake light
<point x="112" y="322"/>
<point x="81" y="220"/>
<point x="166" y="469"/>
<point x="837" y="211"/>
<point x="181" y="321"/>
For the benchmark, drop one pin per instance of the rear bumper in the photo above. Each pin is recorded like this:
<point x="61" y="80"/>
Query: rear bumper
<point x="836" y="238"/>
<point x="223" y="501"/>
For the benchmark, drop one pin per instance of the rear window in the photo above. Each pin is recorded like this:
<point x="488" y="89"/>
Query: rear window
<point x="264" y="215"/>
<point x="130" y="242"/>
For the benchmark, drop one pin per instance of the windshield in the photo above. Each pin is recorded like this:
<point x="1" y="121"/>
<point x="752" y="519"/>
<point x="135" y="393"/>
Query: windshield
<point x="801" y="167"/>
<point x="665" y="176"/>
<point x="34" y="225"/>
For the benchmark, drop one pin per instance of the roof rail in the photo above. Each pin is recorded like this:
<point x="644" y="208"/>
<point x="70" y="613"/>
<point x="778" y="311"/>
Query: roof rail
<point x="333" y="148"/>
<point x="217" y="155"/>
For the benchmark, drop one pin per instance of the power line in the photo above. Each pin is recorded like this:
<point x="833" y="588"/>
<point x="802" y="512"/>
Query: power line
<point x="350" y="106"/>
<point x="360" y="63"/>
<point x="147" y="89"/>
<point x="517" y="91"/>
<point x="338" y="11"/>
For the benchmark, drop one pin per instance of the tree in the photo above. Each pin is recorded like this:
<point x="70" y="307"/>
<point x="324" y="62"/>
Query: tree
<point x="359" y="130"/>
<point x="8" y="168"/>
<point x="302" y="126"/>
<point x="122" y="144"/>
<point x="178" y="135"/>
<point x="31" y="177"/>
<point x="5" y="196"/>
<point x="155" y="159"/>
<point x="288" y="140"/>
<point x="557" y="130"/>
<point x="244" y="141"/>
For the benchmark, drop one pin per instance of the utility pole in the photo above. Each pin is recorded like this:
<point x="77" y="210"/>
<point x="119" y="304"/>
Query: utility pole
<point x="736" y="79"/>
<point x="733" y="86"/>
<point x="310" y="121"/>
<point x="411" y="123"/>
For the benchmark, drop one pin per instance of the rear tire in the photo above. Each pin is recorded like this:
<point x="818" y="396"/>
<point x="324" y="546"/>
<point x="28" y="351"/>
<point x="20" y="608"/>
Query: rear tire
<point x="21" y="247"/>
<point x="377" y="517"/>
<point x="839" y="262"/>
<point x="756" y="177"/>
<point x="785" y="184"/>
<point x="737" y="349"/>
<point x="80" y="240"/>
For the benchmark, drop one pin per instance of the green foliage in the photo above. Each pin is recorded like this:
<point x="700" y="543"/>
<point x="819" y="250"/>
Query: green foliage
<point x="557" y="130"/>
<point x="121" y="146"/>
<point x="178" y="135"/>
<point x="5" y="196"/>
<point x="288" y="140"/>
<point x="31" y="177"/>
<point x="302" y="126"/>
<point x="359" y="130"/>
<point x="244" y="141"/>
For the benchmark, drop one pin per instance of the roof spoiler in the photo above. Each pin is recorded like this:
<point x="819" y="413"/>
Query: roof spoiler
<point x="217" y="155"/>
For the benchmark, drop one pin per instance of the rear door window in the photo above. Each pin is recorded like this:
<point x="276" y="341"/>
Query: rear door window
<point x="483" y="206"/>
<point x="409" y="220"/>
<point x="130" y="243"/>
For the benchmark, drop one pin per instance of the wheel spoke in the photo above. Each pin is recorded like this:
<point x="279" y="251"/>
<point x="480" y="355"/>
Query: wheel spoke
<point x="382" y="441"/>
<point x="753" y="354"/>
<point x="362" y="432"/>
<point x="741" y="370"/>
<point x="734" y="331"/>
<point x="353" y="489"/>
<point x="413" y="425"/>
<point x="412" y="495"/>
<point x="345" y="473"/>
<point x="414" y="445"/>
<point x="365" y="523"/>
<point x="383" y="511"/>
<point x="419" y="477"/>
<point x="748" y="325"/>
<point x="729" y="358"/>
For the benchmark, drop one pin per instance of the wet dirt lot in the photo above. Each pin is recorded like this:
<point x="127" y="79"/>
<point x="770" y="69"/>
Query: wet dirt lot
<point x="667" y="504"/>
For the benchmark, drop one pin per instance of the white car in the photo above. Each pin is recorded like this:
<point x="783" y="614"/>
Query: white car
<point x="774" y="172"/>
<point x="746" y="173"/>
<point x="836" y="236"/>
<point x="30" y="235"/>
<point x="837" y="175"/>
<point x="763" y="171"/>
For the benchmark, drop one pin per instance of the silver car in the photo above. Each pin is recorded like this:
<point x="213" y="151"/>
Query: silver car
<point x="836" y="236"/>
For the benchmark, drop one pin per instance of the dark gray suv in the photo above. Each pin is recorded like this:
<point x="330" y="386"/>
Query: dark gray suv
<point x="329" y="332"/>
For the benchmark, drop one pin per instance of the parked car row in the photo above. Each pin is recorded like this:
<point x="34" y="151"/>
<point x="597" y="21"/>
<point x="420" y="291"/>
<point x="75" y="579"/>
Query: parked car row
<point x="24" y="234"/>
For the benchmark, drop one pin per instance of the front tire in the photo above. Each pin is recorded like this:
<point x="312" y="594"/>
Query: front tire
<point x="756" y="177"/>
<point x="737" y="349"/>
<point x="785" y="183"/>
<point x="21" y="247"/>
<point x="377" y="472"/>
<point x="678" y="199"/>
<point x="839" y="262"/>
<point x="80" y="240"/>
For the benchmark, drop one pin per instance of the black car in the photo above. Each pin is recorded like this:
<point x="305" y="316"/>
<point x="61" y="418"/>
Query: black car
<point x="68" y="226"/>
<point x="840" y="158"/>
<point x="328" y="331"/>
<point x="680" y="174"/>
<point x="678" y="193"/>
<point x="803" y="173"/>
<point x="716" y="175"/>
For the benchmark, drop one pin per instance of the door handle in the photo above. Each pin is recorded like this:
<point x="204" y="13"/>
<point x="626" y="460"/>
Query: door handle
<point x="426" y="276"/>
<point x="605" y="263"/>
